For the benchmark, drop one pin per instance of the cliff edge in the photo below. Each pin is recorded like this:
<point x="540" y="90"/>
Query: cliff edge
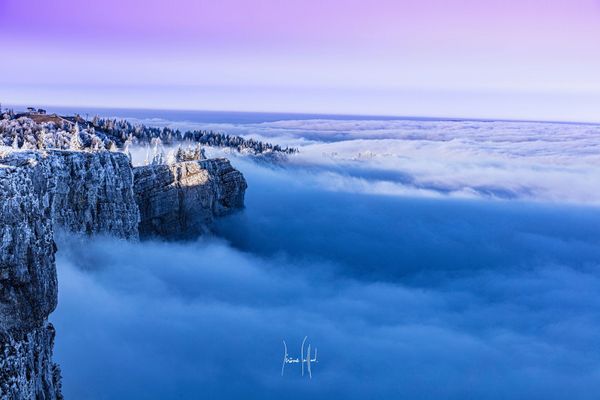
<point x="28" y="288"/>
<point x="182" y="199"/>
<point x="85" y="193"/>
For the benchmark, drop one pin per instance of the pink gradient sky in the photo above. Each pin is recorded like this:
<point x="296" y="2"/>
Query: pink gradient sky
<point x="276" y="52"/>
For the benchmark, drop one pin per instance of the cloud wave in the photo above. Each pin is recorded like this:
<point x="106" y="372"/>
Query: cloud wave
<point x="404" y="297"/>
<point x="548" y="162"/>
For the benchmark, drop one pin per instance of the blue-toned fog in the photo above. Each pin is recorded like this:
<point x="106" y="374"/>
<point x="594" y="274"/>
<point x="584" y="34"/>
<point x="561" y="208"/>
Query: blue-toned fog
<point x="407" y="290"/>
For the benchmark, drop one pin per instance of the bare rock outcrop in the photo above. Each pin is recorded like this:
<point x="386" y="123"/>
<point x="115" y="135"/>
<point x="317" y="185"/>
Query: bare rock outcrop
<point x="28" y="288"/>
<point x="182" y="199"/>
<point x="86" y="192"/>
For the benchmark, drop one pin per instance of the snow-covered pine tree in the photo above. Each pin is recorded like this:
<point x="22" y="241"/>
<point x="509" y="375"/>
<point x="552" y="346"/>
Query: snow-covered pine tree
<point x="75" y="143"/>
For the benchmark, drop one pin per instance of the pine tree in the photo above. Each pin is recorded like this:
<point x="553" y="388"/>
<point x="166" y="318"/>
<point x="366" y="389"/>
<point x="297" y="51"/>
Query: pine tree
<point x="75" y="143"/>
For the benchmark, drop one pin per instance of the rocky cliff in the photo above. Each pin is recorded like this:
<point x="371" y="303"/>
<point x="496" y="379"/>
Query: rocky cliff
<point x="86" y="193"/>
<point x="100" y="193"/>
<point x="28" y="288"/>
<point x="182" y="199"/>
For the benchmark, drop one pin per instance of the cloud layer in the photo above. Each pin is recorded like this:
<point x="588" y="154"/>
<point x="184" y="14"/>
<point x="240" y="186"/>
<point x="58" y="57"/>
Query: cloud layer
<point x="550" y="162"/>
<point x="404" y="297"/>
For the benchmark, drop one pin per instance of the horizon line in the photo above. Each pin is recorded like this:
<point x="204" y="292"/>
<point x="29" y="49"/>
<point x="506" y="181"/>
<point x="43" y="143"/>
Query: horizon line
<point x="341" y="116"/>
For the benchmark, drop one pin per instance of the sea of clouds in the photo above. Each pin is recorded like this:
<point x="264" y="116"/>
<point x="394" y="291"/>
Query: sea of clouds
<point x="555" y="162"/>
<point x="412" y="281"/>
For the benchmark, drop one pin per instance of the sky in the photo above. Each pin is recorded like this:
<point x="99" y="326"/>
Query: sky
<point x="527" y="59"/>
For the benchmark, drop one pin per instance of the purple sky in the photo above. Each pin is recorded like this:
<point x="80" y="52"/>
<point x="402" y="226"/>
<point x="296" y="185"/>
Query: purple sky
<point x="493" y="58"/>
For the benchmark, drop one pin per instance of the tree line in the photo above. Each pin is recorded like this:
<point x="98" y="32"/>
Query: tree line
<point x="77" y="133"/>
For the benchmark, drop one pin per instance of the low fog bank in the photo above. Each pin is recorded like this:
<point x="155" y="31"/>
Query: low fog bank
<point x="404" y="297"/>
<point x="296" y="212"/>
<point x="157" y="320"/>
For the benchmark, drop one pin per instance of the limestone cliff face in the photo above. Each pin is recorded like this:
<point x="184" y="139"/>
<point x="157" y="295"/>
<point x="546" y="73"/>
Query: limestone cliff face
<point x="182" y="199"/>
<point x="86" y="192"/>
<point x="100" y="193"/>
<point x="79" y="192"/>
<point x="28" y="288"/>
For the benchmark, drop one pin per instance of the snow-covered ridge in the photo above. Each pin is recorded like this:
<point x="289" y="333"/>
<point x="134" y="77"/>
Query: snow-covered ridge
<point x="40" y="131"/>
